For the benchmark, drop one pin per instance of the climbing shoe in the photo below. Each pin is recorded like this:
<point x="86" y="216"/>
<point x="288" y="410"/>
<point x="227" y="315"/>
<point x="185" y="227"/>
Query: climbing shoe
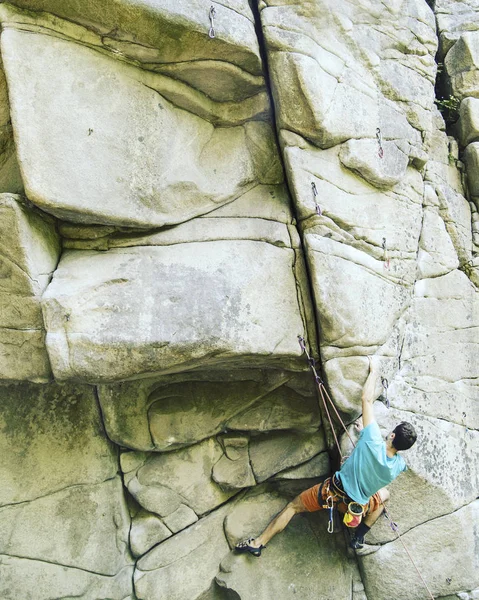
<point x="357" y="542"/>
<point x="246" y="546"/>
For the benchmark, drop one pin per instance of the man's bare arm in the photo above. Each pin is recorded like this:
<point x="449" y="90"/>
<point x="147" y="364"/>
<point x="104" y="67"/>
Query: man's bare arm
<point x="369" y="393"/>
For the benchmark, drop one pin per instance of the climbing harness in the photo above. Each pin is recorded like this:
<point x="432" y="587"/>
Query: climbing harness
<point x="212" y="32"/>
<point x="386" y="259"/>
<point x="385" y="384"/>
<point x="319" y="212"/>
<point x="379" y="138"/>
<point x="324" y="395"/>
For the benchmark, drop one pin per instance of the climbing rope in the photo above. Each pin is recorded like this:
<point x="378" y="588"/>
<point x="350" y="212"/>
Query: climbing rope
<point x="324" y="395"/>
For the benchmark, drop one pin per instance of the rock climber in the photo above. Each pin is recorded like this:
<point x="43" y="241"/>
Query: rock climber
<point x="361" y="480"/>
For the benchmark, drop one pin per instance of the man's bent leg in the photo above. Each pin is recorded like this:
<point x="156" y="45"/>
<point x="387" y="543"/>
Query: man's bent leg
<point x="307" y="501"/>
<point x="376" y="508"/>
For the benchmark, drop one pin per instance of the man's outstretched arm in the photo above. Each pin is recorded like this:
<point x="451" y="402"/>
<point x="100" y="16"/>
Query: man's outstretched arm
<point x="369" y="393"/>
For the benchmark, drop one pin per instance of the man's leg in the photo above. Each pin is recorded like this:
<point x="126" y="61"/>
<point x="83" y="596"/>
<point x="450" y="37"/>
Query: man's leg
<point x="305" y="502"/>
<point x="372" y="516"/>
<point x="280" y="521"/>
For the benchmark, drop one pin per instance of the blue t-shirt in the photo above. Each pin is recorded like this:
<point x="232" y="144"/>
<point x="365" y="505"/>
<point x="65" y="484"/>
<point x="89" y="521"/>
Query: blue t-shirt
<point x="368" y="469"/>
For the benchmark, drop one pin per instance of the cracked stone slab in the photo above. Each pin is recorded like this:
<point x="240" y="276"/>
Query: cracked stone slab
<point x="468" y="123"/>
<point x="84" y="526"/>
<point x="184" y="566"/>
<point x="146" y="531"/>
<point x="29" y="252"/>
<point x="333" y="73"/>
<point x="52" y="439"/>
<point x="137" y="160"/>
<point x="162" y="482"/>
<point x="275" y="452"/>
<point x="443" y="549"/>
<point x="24" y="578"/>
<point x="194" y="305"/>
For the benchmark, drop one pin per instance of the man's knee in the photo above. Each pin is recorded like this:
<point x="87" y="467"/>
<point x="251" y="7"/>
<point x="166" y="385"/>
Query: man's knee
<point x="384" y="494"/>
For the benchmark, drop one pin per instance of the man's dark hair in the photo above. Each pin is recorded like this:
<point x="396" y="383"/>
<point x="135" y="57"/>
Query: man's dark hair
<point x="404" y="436"/>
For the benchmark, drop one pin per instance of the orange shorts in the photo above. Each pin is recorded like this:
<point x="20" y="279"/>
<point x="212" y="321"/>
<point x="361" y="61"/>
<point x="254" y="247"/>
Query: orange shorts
<point x="310" y="499"/>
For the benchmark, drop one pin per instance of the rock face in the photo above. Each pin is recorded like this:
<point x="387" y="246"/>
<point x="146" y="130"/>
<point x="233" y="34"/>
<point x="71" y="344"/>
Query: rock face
<point x="184" y="190"/>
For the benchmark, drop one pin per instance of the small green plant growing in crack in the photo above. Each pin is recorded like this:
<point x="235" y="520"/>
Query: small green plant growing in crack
<point x="449" y="108"/>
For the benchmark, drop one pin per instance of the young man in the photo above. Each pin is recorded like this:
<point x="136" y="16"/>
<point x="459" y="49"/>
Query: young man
<point x="373" y="464"/>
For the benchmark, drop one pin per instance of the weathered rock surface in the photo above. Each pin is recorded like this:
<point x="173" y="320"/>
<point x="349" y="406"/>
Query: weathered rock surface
<point x="29" y="252"/>
<point x="164" y="415"/>
<point x="39" y="580"/>
<point x="183" y="568"/>
<point x="162" y="482"/>
<point x="116" y="334"/>
<point x="444" y="551"/>
<point x="117" y="172"/>
<point x="52" y="438"/>
<point x="10" y="177"/>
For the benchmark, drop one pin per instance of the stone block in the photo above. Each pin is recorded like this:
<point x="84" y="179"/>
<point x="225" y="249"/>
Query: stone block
<point x="85" y="527"/>
<point x="180" y="410"/>
<point x="137" y="160"/>
<point x="147" y="530"/>
<point x="275" y="452"/>
<point x="153" y="310"/>
<point x="52" y="438"/>
<point x="29" y="252"/>
<point x="468" y="124"/>
<point x="25" y="578"/>
<point x="164" y="481"/>
<point x="430" y="541"/>
<point x="184" y="567"/>
<point x="471" y="159"/>
<point x="163" y="32"/>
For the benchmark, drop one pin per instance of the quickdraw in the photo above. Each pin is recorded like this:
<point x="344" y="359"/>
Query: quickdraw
<point x="212" y="32"/>
<point x="386" y="259"/>
<point x="380" y="142"/>
<point x="385" y="384"/>
<point x="319" y="212"/>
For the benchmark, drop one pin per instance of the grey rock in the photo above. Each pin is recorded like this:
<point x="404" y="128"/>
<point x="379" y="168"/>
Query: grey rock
<point x="468" y="124"/>
<point x="29" y="252"/>
<point x="363" y="156"/>
<point x="233" y="470"/>
<point x="459" y="564"/>
<point x="287" y="567"/>
<point x="85" y="527"/>
<point x="39" y="580"/>
<point x="170" y="32"/>
<point x="183" y="567"/>
<point x="130" y="326"/>
<point x="167" y="480"/>
<point x="53" y="439"/>
<point x="146" y="531"/>
<point x="181" y="518"/>
<point x="103" y="177"/>
<point x="278" y="451"/>
<point x="155" y="414"/>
